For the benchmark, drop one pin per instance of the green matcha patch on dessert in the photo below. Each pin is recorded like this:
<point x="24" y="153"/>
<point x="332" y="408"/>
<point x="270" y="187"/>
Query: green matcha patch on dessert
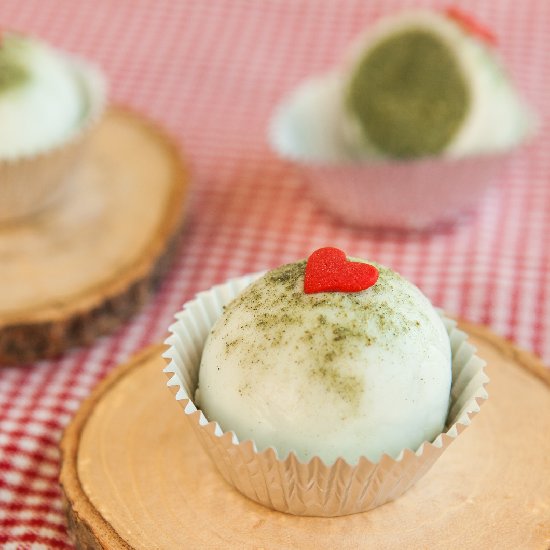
<point x="12" y="71"/>
<point x="409" y="95"/>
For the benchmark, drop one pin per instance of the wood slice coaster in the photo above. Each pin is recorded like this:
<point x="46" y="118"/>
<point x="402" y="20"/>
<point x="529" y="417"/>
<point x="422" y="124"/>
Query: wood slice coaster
<point x="134" y="476"/>
<point x="89" y="262"/>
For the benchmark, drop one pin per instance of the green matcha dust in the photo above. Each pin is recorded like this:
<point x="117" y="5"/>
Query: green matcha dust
<point x="12" y="73"/>
<point x="330" y="330"/>
<point x="409" y="95"/>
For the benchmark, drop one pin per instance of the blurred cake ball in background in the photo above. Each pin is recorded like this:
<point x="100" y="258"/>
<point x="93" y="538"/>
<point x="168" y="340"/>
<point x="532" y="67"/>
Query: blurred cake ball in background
<point x="48" y="102"/>
<point x="413" y="125"/>
<point x="427" y="83"/>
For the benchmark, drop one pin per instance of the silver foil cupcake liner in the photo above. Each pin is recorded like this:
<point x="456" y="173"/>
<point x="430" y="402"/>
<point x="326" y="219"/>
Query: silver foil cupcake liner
<point x="312" y="488"/>
<point x="402" y="194"/>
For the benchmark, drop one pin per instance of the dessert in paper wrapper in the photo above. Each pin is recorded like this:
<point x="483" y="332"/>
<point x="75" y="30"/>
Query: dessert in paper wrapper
<point x="415" y="194"/>
<point x="40" y="160"/>
<point x="410" y="128"/>
<point x="311" y="488"/>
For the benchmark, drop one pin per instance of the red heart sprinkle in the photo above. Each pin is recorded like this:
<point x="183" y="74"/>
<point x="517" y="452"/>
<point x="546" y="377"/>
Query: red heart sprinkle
<point x="471" y="25"/>
<point x="328" y="270"/>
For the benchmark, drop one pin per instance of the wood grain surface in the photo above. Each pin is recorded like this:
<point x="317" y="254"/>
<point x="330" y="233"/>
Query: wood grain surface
<point x="90" y="261"/>
<point x="134" y="476"/>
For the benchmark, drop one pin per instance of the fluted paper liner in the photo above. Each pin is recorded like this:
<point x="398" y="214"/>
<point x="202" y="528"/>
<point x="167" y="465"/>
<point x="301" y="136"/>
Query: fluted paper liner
<point x="30" y="183"/>
<point x="312" y="488"/>
<point x="402" y="194"/>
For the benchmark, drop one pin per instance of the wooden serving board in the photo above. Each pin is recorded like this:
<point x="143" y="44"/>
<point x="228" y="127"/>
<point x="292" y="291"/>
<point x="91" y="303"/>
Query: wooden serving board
<point x="134" y="476"/>
<point x="89" y="262"/>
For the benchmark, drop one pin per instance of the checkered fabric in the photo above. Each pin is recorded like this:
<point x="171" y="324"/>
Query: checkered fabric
<point x="211" y="72"/>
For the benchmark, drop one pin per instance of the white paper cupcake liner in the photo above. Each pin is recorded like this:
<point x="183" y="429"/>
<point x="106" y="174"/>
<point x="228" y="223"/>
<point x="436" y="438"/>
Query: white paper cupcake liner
<point x="402" y="194"/>
<point x="312" y="488"/>
<point x="30" y="183"/>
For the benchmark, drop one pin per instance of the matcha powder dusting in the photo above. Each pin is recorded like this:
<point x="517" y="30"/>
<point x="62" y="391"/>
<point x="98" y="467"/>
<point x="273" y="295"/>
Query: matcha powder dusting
<point x="13" y="72"/>
<point x="12" y="75"/>
<point x="409" y="95"/>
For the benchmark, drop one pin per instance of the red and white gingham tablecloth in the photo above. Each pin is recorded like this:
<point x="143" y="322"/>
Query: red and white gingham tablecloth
<point x="211" y="71"/>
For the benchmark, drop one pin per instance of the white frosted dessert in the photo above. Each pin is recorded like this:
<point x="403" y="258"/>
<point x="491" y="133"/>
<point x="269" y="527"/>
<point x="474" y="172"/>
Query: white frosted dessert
<point x="43" y="99"/>
<point x="416" y="84"/>
<point x="328" y="374"/>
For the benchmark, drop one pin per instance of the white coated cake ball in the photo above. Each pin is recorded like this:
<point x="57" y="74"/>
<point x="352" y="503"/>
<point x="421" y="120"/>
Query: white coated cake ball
<point x="318" y="121"/>
<point x="329" y="374"/>
<point x="41" y="99"/>
<point x="496" y="119"/>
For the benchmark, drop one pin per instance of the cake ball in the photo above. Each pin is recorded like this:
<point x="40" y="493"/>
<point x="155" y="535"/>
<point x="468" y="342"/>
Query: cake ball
<point x="41" y="99"/>
<point x="49" y="101"/>
<point x="333" y="357"/>
<point x="424" y="83"/>
<point x="296" y="383"/>
<point x="415" y="123"/>
<point x="419" y="83"/>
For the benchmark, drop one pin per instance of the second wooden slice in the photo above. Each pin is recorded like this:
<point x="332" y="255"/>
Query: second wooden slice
<point x="134" y="476"/>
<point x="89" y="262"/>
